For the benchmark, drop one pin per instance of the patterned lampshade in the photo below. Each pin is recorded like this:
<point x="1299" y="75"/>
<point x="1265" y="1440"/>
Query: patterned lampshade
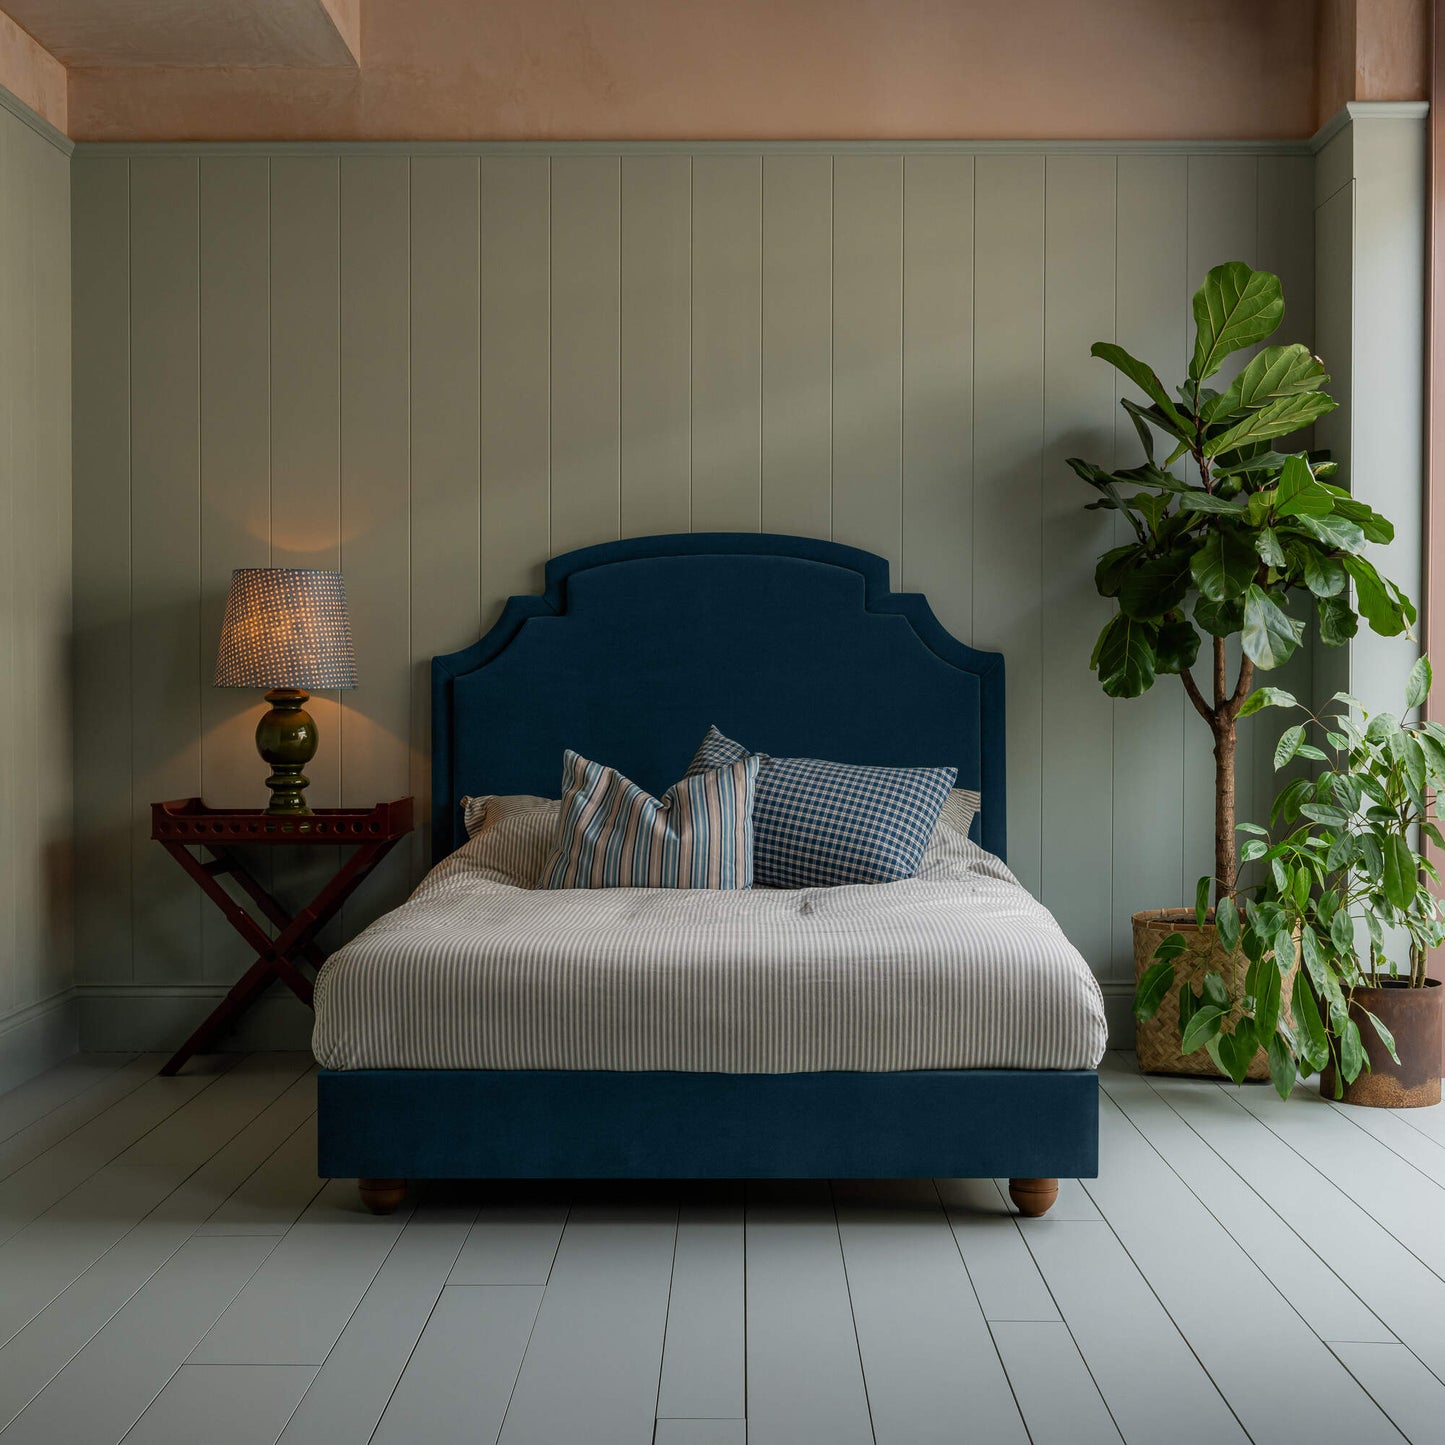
<point x="286" y="627"/>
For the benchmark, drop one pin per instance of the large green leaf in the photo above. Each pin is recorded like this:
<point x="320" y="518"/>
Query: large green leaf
<point x="1417" y="689"/>
<point x="1276" y="371"/>
<point x="1309" y="1027"/>
<point x="1401" y="879"/>
<point x="1203" y="1026"/>
<point x="1282" y="1067"/>
<point x="1288" y="745"/>
<point x="1338" y="622"/>
<point x="1142" y="375"/>
<point x="1225" y="565"/>
<point x="1278" y="418"/>
<point x="1323" y="574"/>
<point x="1202" y="501"/>
<point x="1263" y="697"/>
<point x="1155" y="585"/>
<point x="1334" y="531"/>
<point x="1158" y="979"/>
<point x="1219" y="619"/>
<point x="1375" y="527"/>
<point x="1270" y="635"/>
<point x="1109" y="572"/>
<point x="1379" y="602"/>
<point x="1298" y="494"/>
<point x="1238" y="1048"/>
<point x="1124" y="657"/>
<point x="1176" y="646"/>
<point x="1234" y="308"/>
<point x="1264" y="983"/>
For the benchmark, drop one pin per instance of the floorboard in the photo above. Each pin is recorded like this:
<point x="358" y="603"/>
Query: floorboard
<point x="1326" y="1303"/>
<point x="459" y="1380"/>
<point x="591" y="1369"/>
<point x="1061" y="1405"/>
<point x="514" y="1239"/>
<point x="705" y="1347"/>
<point x="352" y="1389"/>
<point x="1003" y="1272"/>
<point x="33" y="1100"/>
<point x="31" y="1358"/>
<point x="292" y="1312"/>
<point x="928" y="1358"/>
<point x="701" y="1432"/>
<point x="277" y="1192"/>
<point x="107" y="1387"/>
<point x="222" y="1405"/>
<point x="805" y="1377"/>
<point x="1402" y="1387"/>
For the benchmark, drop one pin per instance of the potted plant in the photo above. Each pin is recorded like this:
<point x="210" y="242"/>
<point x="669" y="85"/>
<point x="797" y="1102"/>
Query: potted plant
<point x="1346" y="889"/>
<point x="1219" y="550"/>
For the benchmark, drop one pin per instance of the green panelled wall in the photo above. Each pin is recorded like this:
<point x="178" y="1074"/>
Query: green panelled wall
<point x="434" y="366"/>
<point x="37" y="1017"/>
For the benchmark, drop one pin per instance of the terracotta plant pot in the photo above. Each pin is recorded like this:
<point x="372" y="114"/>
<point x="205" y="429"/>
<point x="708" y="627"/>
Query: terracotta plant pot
<point x="1414" y="1016"/>
<point x="1157" y="1040"/>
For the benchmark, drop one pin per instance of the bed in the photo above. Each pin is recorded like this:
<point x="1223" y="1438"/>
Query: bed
<point x="632" y="649"/>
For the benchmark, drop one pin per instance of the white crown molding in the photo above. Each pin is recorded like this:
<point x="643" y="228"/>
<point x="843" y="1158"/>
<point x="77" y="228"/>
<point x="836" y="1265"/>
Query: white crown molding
<point x="36" y="122"/>
<point x="1360" y="110"/>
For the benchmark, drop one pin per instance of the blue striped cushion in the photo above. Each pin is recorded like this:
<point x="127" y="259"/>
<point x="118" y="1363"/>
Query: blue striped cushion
<point x="613" y="834"/>
<point x="818" y="824"/>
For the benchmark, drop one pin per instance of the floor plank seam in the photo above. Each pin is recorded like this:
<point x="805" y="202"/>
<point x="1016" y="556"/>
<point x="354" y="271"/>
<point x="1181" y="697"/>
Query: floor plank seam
<point x="1266" y="1205"/>
<point x="1352" y="1115"/>
<point x="666" y="1313"/>
<point x="852" y="1312"/>
<point x="988" y="1324"/>
<point x="107" y="1078"/>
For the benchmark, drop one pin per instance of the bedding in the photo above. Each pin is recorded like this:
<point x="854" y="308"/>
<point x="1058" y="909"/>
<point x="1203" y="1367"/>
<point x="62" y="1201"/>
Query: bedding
<point x="613" y="834"/>
<point x="955" y="968"/>
<point x="821" y="824"/>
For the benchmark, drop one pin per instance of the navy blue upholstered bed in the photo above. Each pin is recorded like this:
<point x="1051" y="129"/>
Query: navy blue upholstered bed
<point x="798" y="647"/>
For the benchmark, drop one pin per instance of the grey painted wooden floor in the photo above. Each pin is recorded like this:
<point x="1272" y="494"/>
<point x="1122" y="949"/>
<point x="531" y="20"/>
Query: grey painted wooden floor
<point x="171" y="1269"/>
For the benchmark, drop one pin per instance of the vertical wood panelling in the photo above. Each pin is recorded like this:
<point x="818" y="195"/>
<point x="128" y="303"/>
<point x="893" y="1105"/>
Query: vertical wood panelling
<point x="235" y="479"/>
<point x="727" y="281"/>
<point x="375" y="497"/>
<point x="868" y="355"/>
<point x="1079" y="271"/>
<point x="1150" y="732"/>
<point x="445" y="439"/>
<point x="515" y="371"/>
<point x="54" y="737"/>
<point x="938" y="385"/>
<point x="11" y="217"/>
<point x="100" y="230"/>
<point x="437" y="370"/>
<point x="656" y="452"/>
<point x="586" y="334"/>
<point x="165" y="551"/>
<point x="797" y="345"/>
<point x="1007" y="427"/>
<point x="1286" y="192"/>
<point x="1223" y="226"/>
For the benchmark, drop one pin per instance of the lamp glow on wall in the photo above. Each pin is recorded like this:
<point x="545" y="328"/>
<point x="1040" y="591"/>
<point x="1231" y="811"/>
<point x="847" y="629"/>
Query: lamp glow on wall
<point x="286" y="629"/>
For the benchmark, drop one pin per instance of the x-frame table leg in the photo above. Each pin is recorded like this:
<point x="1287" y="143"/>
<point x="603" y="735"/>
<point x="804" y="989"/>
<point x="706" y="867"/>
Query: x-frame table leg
<point x="274" y="957"/>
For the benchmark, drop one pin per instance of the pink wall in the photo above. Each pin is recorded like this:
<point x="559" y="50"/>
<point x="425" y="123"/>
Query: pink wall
<point x="633" y="69"/>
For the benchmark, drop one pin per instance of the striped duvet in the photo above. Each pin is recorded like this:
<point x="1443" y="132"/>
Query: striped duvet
<point x="957" y="968"/>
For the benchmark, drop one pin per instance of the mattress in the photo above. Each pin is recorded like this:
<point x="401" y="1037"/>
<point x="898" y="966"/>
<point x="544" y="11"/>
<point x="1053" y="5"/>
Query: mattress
<point x="956" y="968"/>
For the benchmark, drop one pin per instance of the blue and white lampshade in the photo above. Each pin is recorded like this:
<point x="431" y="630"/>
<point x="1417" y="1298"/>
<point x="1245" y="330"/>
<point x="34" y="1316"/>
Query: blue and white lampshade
<point x="286" y="627"/>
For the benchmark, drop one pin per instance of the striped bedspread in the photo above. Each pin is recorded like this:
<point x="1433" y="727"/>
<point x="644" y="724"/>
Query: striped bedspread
<point x="957" y="968"/>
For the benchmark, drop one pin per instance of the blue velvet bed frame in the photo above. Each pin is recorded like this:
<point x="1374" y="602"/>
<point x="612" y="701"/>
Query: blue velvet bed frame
<point x="795" y="646"/>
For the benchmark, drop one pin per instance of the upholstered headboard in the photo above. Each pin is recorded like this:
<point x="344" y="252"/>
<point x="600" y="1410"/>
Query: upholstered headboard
<point x="793" y="646"/>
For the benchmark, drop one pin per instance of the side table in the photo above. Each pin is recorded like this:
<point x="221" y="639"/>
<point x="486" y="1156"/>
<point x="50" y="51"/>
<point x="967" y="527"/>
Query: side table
<point x="187" y="822"/>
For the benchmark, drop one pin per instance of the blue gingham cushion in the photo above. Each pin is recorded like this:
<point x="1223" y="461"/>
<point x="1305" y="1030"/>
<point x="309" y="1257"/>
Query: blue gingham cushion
<point x="613" y="834"/>
<point x="818" y="824"/>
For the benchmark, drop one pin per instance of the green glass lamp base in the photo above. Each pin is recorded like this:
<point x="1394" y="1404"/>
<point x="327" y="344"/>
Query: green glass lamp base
<point x="286" y="738"/>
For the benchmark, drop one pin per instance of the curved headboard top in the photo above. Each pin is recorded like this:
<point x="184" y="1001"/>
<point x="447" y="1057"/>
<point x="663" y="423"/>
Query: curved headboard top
<point x="792" y="645"/>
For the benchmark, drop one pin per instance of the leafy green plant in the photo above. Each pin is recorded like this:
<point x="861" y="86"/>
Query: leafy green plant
<point x="1218" y="549"/>
<point x="1344" y="885"/>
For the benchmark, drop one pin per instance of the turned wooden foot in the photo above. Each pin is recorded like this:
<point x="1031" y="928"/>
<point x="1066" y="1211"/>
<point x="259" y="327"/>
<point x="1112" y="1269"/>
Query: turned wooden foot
<point x="1033" y="1196"/>
<point x="383" y="1196"/>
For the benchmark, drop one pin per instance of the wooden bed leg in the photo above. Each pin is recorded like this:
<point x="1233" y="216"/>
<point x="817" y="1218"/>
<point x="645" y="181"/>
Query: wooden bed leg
<point x="382" y="1196"/>
<point x="1033" y="1196"/>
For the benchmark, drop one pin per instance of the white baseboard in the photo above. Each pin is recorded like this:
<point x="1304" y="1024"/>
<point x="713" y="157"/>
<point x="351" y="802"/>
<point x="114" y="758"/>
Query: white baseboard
<point x="38" y="1037"/>
<point x="161" y="1017"/>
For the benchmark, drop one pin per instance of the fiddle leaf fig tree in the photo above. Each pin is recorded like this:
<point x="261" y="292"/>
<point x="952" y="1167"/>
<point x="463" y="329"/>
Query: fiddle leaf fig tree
<point x="1219" y="546"/>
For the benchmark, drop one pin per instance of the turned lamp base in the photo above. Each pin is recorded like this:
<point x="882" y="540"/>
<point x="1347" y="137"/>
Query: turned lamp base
<point x="286" y="739"/>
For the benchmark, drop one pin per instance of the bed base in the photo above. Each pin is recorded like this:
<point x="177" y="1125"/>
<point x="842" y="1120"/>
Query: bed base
<point x="387" y="1126"/>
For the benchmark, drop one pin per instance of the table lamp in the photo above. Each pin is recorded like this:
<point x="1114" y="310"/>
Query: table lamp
<point x="286" y="630"/>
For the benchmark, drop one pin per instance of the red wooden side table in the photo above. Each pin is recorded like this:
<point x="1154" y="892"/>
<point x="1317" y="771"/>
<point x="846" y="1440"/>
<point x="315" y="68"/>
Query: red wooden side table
<point x="178" y="826"/>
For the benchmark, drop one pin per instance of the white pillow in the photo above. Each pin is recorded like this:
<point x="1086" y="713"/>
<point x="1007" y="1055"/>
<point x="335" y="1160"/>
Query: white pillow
<point x="958" y="812"/>
<point x="509" y="836"/>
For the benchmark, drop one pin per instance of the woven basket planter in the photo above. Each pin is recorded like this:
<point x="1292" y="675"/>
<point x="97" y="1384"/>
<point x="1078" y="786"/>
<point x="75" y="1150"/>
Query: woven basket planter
<point x="1158" y="1038"/>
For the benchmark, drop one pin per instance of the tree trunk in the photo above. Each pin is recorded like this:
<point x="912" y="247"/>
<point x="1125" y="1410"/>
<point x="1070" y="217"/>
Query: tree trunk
<point x="1224" y="848"/>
